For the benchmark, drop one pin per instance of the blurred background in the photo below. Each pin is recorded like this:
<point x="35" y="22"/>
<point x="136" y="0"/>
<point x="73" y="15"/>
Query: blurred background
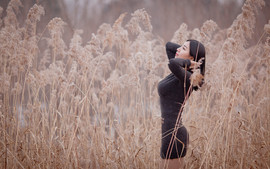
<point x="166" y="15"/>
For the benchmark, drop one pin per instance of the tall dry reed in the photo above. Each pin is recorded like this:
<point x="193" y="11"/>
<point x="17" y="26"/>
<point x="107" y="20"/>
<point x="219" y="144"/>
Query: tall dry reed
<point x="96" y="105"/>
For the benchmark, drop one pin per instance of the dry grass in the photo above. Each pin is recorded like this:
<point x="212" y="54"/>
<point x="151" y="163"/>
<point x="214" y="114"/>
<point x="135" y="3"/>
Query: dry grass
<point x="96" y="106"/>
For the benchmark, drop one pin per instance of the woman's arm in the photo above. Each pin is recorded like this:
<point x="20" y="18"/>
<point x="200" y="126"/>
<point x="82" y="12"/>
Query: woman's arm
<point x="179" y="68"/>
<point x="171" y="49"/>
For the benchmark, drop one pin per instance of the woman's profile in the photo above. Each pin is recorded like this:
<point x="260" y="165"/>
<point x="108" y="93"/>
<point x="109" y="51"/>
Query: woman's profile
<point x="174" y="91"/>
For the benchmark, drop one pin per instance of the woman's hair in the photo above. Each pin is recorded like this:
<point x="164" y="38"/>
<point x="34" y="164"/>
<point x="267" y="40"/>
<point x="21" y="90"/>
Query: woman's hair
<point x="197" y="51"/>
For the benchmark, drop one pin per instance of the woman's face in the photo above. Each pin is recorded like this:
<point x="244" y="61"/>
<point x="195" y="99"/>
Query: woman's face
<point x="183" y="51"/>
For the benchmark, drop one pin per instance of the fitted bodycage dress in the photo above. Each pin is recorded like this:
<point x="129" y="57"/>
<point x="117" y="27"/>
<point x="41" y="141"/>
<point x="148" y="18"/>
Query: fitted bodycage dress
<point x="172" y="91"/>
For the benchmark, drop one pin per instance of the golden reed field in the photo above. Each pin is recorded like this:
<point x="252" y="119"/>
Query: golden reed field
<point x="68" y="105"/>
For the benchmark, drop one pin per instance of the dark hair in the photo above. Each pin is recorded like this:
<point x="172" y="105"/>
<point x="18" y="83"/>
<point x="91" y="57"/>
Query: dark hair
<point x="197" y="51"/>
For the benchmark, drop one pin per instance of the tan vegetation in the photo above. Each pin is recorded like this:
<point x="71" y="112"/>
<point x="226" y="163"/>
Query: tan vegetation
<point x="96" y="106"/>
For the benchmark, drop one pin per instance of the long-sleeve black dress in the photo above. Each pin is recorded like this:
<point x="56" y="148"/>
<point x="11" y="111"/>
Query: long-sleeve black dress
<point x="172" y="91"/>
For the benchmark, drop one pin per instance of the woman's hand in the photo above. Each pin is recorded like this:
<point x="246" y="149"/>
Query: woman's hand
<point x="195" y="65"/>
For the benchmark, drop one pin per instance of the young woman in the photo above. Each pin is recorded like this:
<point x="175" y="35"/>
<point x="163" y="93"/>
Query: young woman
<point x="173" y="91"/>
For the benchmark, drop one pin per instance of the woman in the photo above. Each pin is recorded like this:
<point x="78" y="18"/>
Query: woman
<point x="173" y="91"/>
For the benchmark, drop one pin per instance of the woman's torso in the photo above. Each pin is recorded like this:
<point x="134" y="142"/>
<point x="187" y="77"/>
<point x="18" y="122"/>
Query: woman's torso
<point x="172" y="94"/>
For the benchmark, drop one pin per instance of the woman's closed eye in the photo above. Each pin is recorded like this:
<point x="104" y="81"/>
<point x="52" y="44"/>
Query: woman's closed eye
<point x="184" y="47"/>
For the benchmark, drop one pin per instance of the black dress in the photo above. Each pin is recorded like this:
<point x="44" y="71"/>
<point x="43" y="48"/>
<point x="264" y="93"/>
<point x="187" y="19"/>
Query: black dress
<point x="172" y="91"/>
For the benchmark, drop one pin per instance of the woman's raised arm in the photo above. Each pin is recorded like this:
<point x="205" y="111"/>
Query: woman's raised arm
<point x="179" y="68"/>
<point x="171" y="49"/>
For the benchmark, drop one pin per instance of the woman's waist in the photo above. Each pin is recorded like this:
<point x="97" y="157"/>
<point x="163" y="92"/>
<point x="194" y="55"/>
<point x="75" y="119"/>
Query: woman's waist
<point x="170" y="115"/>
<point x="171" y="120"/>
<point x="170" y="106"/>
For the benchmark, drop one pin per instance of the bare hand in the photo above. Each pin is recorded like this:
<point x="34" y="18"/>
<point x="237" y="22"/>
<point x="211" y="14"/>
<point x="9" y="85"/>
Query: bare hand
<point x="195" y="65"/>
